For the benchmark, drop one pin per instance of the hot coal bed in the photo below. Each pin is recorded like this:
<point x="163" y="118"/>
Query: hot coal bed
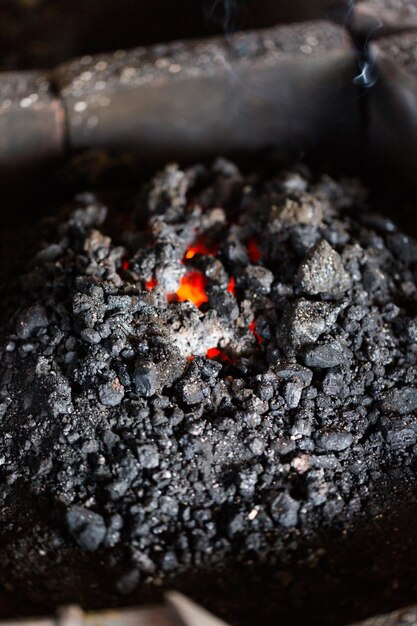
<point x="204" y="389"/>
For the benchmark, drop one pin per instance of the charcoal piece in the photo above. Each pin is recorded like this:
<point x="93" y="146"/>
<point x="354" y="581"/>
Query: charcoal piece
<point x="403" y="247"/>
<point x="208" y="369"/>
<point x="305" y="321"/>
<point x="30" y="320"/>
<point x="235" y="252"/>
<point x="111" y="393"/>
<point x="148" y="456"/>
<point x="300" y="208"/>
<point x="322" y="272"/>
<point x="399" y="432"/>
<point x="258" y="279"/>
<point x="191" y="391"/>
<point x="146" y="378"/>
<point x="150" y="376"/>
<point x="292" y="371"/>
<point x="374" y="279"/>
<point x="333" y="384"/>
<point x="403" y="400"/>
<point x="223" y="302"/>
<point x="284" y="510"/>
<point x="292" y="393"/>
<point x="334" y="441"/>
<point x="86" y="527"/>
<point x="327" y="355"/>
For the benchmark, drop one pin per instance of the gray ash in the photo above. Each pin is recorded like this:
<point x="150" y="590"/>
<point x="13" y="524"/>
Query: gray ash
<point x="168" y="437"/>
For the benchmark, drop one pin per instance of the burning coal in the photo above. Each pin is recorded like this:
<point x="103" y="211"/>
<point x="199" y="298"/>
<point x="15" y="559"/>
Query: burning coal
<point x="211" y="387"/>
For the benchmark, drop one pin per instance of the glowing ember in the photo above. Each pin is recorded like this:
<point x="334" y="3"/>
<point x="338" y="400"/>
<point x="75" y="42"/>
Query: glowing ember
<point x="125" y="265"/>
<point x="215" y="353"/>
<point x="151" y="284"/>
<point x="192" y="288"/>
<point x="253" y="251"/>
<point x="200" y="248"/>
<point x="212" y="353"/>
<point x="257" y="336"/>
<point x="231" y="286"/>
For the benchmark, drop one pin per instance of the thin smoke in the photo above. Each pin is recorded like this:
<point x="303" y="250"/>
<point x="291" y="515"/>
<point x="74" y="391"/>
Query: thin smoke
<point x="225" y="12"/>
<point x="367" y="62"/>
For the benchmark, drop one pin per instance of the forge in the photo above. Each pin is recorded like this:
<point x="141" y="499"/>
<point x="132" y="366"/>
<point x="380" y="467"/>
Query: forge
<point x="208" y="321"/>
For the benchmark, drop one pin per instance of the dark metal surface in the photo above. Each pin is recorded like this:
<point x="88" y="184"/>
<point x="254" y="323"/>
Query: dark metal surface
<point x="32" y="120"/>
<point x="374" y="19"/>
<point x="290" y="88"/>
<point x="284" y="87"/>
<point x="392" y="107"/>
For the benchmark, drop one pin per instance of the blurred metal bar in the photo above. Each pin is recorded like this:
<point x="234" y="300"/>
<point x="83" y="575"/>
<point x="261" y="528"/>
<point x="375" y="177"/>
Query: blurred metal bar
<point x="374" y="19"/>
<point x="289" y="88"/>
<point x="178" y="611"/>
<point x="392" y="108"/>
<point x="32" y="119"/>
<point x="403" y="617"/>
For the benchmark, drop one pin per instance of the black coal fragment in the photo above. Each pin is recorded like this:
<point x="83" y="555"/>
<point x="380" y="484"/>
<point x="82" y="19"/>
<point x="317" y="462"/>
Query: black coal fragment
<point x="334" y="440"/>
<point x="400" y="400"/>
<point x="284" y="510"/>
<point x="399" y="432"/>
<point x="87" y="528"/>
<point x="30" y="320"/>
<point x="305" y="321"/>
<point x="322" y="272"/>
<point x="327" y="355"/>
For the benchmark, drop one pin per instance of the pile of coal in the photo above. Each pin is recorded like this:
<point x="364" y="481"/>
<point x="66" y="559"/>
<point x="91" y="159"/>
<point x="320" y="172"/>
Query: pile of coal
<point x="235" y="369"/>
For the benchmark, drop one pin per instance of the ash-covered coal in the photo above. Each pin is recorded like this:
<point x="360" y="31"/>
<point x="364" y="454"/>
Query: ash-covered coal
<point x="170" y="436"/>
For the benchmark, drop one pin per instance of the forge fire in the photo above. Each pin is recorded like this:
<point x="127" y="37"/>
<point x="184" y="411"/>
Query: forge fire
<point x="235" y="370"/>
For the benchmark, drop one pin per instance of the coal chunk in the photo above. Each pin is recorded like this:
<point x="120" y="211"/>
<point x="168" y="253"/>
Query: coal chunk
<point x="191" y="391"/>
<point x="334" y="440"/>
<point x="305" y="321"/>
<point x="257" y="278"/>
<point x="401" y="401"/>
<point x="322" y="272"/>
<point x="30" y="320"/>
<point x="111" y="393"/>
<point x="293" y="372"/>
<point x="399" y="432"/>
<point x="296" y="378"/>
<point x="146" y="379"/>
<point x="328" y="355"/>
<point x="284" y="510"/>
<point x="148" y="456"/>
<point x="86" y="527"/>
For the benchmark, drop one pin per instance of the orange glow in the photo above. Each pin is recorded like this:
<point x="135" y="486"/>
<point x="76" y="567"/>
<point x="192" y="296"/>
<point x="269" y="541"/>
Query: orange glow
<point x="125" y="265"/>
<point x="253" y="330"/>
<point x="151" y="284"/>
<point x="199" y="247"/>
<point x="231" y="286"/>
<point x="253" y="251"/>
<point x="192" y="288"/>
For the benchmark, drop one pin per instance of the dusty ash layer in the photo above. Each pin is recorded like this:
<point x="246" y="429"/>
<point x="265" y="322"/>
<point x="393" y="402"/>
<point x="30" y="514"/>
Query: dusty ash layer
<point x="186" y="463"/>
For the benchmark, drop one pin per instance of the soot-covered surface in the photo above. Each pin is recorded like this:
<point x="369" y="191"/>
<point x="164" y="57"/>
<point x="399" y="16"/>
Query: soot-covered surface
<point x="147" y="442"/>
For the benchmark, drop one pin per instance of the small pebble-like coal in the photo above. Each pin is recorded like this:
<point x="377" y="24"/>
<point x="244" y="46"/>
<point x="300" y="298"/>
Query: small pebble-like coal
<point x="191" y="436"/>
